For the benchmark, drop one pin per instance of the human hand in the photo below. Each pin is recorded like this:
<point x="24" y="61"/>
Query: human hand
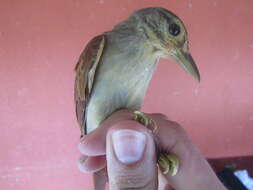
<point x="130" y="150"/>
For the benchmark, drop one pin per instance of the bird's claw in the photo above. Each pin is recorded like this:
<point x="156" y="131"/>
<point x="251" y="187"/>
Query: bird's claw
<point x="169" y="163"/>
<point x="142" y="118"/>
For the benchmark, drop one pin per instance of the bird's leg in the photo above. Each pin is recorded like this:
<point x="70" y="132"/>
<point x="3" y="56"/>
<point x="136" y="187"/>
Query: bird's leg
<point x="168" y="162"/>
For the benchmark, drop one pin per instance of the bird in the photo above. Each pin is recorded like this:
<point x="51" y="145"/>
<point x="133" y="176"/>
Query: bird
<point x="114" y="70"/>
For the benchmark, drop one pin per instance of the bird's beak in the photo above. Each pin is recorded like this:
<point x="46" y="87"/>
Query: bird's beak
<point x="186" y="61"/>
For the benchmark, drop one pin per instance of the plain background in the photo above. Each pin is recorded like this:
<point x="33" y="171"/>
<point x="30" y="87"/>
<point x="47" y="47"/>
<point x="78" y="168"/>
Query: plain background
<point x="40" y="42"/>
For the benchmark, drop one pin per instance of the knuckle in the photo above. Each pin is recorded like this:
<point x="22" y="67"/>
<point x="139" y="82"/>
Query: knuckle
<point x="160" y="116"/>
<point x="177" y="128"/>
<point x="131" y="181"/>
<point x="116" y="117"/>
<point x="82" y="159"/>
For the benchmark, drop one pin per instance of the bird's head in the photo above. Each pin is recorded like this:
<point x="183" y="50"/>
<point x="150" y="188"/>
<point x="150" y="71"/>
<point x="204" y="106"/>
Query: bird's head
<point x="168" y="35"/>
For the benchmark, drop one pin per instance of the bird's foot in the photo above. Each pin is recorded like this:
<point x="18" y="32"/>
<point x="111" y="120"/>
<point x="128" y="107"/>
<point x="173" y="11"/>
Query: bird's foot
<point x="145" y="120"/>
<point x="169" y="163"/>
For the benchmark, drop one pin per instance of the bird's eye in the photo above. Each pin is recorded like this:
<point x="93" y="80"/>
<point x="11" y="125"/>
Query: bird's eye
<point x="174" y="29"/>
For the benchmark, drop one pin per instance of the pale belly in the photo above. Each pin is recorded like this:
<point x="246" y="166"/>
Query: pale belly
<point x="110" y="98"/>
<point x="113" y="93"/>
<point x="121" y="82"/>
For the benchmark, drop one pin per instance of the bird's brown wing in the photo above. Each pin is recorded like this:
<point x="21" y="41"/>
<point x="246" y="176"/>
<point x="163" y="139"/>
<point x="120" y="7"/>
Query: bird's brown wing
<point x="85" y="72"/>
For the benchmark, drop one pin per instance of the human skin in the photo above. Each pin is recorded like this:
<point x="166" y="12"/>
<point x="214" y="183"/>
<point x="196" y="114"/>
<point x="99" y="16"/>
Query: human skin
<point x="141" y="172"/>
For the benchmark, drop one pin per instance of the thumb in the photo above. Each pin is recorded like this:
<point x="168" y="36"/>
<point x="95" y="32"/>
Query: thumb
<point x="131" y="157"/>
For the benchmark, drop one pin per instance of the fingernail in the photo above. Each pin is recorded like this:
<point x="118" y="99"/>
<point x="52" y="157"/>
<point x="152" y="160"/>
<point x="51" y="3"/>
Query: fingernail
<point x="128" y="145"/>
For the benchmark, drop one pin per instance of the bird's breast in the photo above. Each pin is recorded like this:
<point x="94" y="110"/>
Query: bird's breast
<point x="121" y="82"/>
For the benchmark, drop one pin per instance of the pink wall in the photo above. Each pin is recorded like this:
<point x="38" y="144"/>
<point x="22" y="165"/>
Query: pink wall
<point x="40" y="42"/>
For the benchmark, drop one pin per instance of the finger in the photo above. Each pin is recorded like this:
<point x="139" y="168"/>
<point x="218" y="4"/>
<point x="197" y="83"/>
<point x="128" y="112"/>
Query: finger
<point x="91" y="164"/>
<point x="171" y="138"/>
<point x="168" y="133"/>
<point x="93" y="144"/>
<point x="163" y="183"/>
<point x="159" y="115"/>
<point x="100" y="179"/>
<point x="131" y="157"/>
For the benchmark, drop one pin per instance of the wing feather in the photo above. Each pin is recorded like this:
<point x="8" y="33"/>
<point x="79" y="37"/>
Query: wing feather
<point x="85" y="73"/>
